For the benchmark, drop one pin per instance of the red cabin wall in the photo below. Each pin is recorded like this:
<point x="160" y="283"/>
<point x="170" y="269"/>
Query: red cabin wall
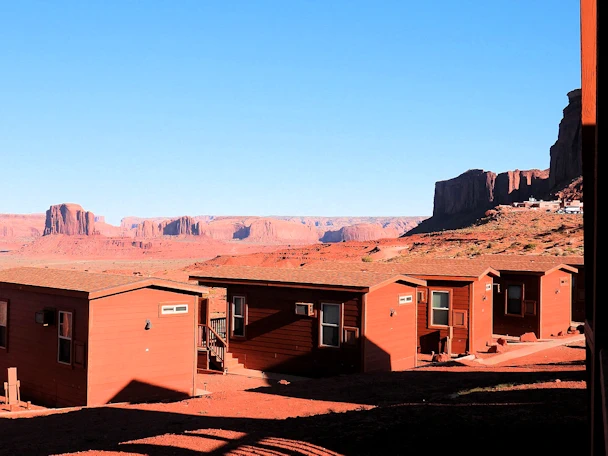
<point x="32" y="348"/>
<point x="390" y="341"/>
<point x="556" y="308"/>
<point x="433" y="338"/>
<point x="481" y="314"/>
<point x="276" y="339"/>
<point x="516" y="325"/>
<point x="126" y="362"/>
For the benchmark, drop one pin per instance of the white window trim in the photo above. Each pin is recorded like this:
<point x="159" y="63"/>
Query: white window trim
<point x="332" y="325"/>
<point x="233" y="315"/>
<point x="172" y="309"/>
<point x="449" y="308"/>
<point x="407" y="299"/>
<point x="60" y="337"/>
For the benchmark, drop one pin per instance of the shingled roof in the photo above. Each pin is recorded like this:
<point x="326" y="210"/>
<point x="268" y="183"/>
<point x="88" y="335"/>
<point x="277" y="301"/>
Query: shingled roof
<point x="89" y="284"/>
<point x="530" y="263"/>
<point x="346" y="279"/>
<point x="425" y="269"/>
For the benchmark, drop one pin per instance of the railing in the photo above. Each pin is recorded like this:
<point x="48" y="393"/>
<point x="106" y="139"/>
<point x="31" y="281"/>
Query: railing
<point x="210" y="339"/>
<point x="219" y="326"/>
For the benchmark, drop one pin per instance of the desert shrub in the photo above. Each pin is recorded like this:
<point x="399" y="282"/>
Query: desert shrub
<point x="367" y="259"/>
<point x="530" y="246"/>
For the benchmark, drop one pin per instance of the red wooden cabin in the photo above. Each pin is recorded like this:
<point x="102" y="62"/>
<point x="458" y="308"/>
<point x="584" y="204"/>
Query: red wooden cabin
<point x="78" y="338"/>
<point x="313" y="323"/>
<point x="454" y="307"/>
<point x="534" y="294"/>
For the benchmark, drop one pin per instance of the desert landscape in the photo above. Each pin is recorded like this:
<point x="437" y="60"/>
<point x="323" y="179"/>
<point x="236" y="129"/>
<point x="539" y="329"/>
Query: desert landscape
<point x="476" y="215"/>
<point x="167" y="289"/>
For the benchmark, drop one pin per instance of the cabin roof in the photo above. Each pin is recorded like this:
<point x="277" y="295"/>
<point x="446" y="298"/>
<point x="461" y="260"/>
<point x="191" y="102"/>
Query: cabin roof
<point x="445" y="269"/>
<point x="89" y="284"/>
<point x="316" y="278"/>
<point x="531" y="263"/>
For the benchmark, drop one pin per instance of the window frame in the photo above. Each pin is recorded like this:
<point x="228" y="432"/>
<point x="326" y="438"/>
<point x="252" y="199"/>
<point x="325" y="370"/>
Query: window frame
<point x="163" y="305"/>
<point x="521" y="313"/>
<point x="233" y="316"/>
<point x="408" y="298"/>
<point x="431" y="323"/>
<point x="340" y="324"/>
<point x="60" y="337"/>
<point x="5" y="346"/>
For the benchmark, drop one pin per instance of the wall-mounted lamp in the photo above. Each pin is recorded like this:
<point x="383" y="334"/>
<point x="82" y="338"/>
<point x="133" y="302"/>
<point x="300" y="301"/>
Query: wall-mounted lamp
<point x="484" y="297"/>
<point x="393" y="312"/>
<point x="148" y="325"/>
<point x="556" y="290"/>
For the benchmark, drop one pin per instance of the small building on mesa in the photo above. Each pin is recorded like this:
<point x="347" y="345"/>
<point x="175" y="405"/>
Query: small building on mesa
<point x="80" y="338"/>
<point x="314" y="322"/>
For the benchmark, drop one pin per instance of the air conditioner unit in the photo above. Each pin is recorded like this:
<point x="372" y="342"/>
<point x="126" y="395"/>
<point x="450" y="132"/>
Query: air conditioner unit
<point x="45" y="317"/>
<point x="305" y="308"/>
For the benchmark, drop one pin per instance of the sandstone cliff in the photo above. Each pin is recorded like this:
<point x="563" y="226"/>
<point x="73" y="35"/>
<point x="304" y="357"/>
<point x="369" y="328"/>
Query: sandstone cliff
<point x="361" y="232"/>
<point x="471" y="191"/>
<point x="463" y="199"/>
<point x="21" y="225"/>
<point x="566" y="153"/>
<point x="272" y="230"/>
<point x="70" y="219"/>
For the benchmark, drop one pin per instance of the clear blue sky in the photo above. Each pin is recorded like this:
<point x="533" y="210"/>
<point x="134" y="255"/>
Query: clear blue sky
<point x="284" y="107"/>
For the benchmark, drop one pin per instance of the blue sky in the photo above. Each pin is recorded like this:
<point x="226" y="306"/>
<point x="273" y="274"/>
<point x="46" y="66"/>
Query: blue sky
<point x="151" y="108"/>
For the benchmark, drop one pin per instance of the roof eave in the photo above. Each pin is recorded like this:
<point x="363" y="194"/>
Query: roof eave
<point x="215" y="281"/>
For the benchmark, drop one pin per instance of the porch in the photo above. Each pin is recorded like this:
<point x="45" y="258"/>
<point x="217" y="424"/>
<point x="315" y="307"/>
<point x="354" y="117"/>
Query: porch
<point x="212" y="346"/>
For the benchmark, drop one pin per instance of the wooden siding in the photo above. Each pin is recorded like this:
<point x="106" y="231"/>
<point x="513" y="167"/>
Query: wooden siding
<point x="390" y="341"/>
<point x="276" y="339"/>
<point x="556" y="308"/>
<point x="513" y="325"/>
<point x="32" y="349"/>
<point x="126" y="362"/>
<point x="481" y="315"/>
<point x="433" y="338"/>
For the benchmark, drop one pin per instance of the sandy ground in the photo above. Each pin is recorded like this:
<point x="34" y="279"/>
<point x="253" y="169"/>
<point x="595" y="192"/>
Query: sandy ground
<point x="479" y="409"/>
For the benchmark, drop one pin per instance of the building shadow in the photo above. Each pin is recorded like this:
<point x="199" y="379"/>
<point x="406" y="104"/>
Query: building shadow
<point x="137" y="392"/>
<point x="478" y="420"/>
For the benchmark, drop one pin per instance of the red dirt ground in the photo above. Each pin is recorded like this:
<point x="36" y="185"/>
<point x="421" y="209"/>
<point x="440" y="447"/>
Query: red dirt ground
<point x="481" y="410"/>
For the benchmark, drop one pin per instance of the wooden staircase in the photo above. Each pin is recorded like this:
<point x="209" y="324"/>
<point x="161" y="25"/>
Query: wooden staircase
<point x="213" y="352"/>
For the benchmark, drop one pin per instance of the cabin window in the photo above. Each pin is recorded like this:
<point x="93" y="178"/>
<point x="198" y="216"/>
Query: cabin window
<point x="330" y="325"/>
<point x="440" y="308"/>
<point x="3" y="324"/>
<point x="64" y="329"/>
<point x="514" y="297"/>
<point x="563" y="281"/>
<point x="170" y="309"/>
<point x="405" y="299"/>
<point x="238" y="316"/>
<point x="488" y="286"/>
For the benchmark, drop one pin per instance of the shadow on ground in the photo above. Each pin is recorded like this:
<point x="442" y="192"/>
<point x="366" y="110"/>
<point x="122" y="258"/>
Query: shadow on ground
<point x="434" y="412"/>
